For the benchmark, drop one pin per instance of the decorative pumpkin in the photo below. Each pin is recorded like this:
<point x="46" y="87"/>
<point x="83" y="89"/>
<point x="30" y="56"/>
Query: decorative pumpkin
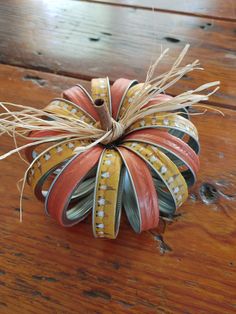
<point x="127" y="146"/>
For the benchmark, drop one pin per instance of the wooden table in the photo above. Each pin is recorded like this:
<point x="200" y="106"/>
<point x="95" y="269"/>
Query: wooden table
<point x="48" y="46"/>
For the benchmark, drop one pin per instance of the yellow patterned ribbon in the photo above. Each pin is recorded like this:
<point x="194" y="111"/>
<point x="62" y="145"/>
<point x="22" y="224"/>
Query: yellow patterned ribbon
<point x="164" y="169"/>
<point x="100" y="89"/>
<point x="45" y="163"/>
<point x="171" y="122"/>
<point x="129" y="98"/>
<point x="107" y="198"/>
<point x="63" y="107"/>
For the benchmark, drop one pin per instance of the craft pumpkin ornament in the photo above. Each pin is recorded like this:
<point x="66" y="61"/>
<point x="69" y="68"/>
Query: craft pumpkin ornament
<point x="126" y="146"/>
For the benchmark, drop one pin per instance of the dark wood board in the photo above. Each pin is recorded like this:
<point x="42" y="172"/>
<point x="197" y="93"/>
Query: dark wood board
<point x="85" y="40"/>
<point x="44" y="267"/>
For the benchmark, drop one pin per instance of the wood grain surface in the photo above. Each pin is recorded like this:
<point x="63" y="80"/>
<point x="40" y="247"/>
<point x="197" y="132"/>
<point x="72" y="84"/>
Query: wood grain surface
<point x="85" y="40"/>
<point x="45" y="268"/>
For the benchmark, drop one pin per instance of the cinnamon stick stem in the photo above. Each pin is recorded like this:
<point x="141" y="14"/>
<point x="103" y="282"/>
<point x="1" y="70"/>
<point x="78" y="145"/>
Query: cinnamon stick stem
<point x="104" y="115"/>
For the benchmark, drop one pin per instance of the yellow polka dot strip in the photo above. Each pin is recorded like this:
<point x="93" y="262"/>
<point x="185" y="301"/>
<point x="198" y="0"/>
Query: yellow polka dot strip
<point x="100" y="89"/>
<point x="66" y="108"/>
<point x="107" y="198"/>
<point x="170" y="122"/>
<point x="128" y="99"/>
<point x="164" y="168"/>
<point x="45" y="163"/>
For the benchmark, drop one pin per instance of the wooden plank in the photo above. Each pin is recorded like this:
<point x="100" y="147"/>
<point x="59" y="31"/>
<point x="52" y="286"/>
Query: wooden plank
<point x="67" y="271"/>
<point x="46" y="85"/>
<point x="86" y="40"/>
<point x="215" y="9"/>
